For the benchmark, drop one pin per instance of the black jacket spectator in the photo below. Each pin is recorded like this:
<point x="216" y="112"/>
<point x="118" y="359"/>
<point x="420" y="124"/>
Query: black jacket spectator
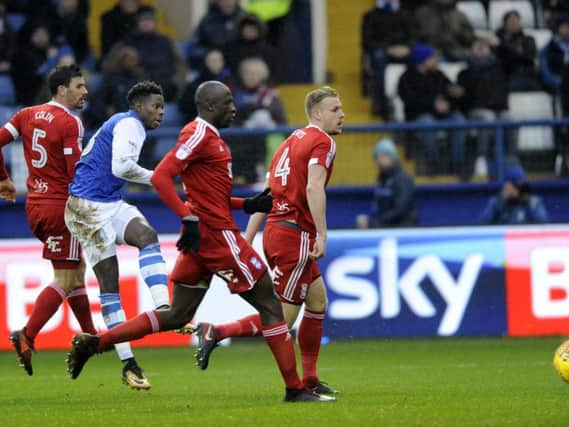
<point x="69" y="25"/>
<point x="8" y="43"/>
<point x="250" y="42"/>
<point x="120" y="72"/>
<point x="382" y="29"/>
<point x="158" y="58"/>
<point x="216" y="28"/>
<point x="553" y="10"/>
<point x="118" y="23"/>
<point x="214" y="69"/>
<point x="517" y="52"/>
<point x="36" y="56"/>
<point x="555" y="56"/>
<point x="419" y="90"/>
<point x="485" y="86"/>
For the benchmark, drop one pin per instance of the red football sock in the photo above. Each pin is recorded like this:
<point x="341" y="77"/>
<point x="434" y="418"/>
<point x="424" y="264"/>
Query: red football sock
<point x="45" y="306"/>
<point x="309" y="338"/>
<point x="133" y="329"/>
<point x="281" y="343"/>
<point x="249" y="326"/>
<point x="79" y="303"/>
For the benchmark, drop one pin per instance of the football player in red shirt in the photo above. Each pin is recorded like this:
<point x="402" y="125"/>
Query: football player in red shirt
<point x="295" y="234"/>
<point x="52" y="138"/>
<point x="210" y="243"/>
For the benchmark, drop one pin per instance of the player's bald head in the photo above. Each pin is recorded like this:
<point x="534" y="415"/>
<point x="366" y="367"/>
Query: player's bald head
<point x="214" y="102"/>
<point x="209" y="93"/>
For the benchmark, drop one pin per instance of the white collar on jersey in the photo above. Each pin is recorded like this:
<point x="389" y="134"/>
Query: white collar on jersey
<point x="310" y="125"/>
<point x="208" y="124"/>
<point x="57" y="104"/>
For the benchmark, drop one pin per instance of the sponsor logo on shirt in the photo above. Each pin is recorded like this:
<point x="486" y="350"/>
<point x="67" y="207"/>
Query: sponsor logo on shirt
<point x="40" y="186"/>
<point x="329" y="158"/>
<point x="183" y="152"/>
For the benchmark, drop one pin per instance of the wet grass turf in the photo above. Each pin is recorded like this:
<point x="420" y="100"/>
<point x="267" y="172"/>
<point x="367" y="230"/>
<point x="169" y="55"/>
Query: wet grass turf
<point x="449" y="382"/>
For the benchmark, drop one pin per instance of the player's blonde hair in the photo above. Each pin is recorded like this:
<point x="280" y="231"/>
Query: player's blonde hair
<point x="316" y="96"/>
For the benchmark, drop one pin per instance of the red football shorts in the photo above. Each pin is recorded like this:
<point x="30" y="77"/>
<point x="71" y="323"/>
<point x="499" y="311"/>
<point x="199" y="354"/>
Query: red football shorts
<point x="47" y="223"/>
<point x="224" y="253"/>
<point x="286" y="248"/>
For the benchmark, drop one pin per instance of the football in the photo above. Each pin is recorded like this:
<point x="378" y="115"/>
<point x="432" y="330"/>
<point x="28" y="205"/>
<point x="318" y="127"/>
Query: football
<point x="561" y="361"/>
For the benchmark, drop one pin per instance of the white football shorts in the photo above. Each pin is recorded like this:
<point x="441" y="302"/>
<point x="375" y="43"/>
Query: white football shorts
<point x="98" y="226"/>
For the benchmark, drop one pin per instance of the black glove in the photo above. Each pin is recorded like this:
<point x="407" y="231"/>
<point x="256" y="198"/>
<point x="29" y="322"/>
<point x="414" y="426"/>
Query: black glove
<point x="262" y="202"/>
<point x="190" y="238"/>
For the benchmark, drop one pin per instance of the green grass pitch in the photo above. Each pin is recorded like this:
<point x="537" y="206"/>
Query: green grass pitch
<point x="445" y="382"/>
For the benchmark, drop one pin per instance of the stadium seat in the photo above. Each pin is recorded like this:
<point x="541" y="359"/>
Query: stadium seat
<point x="6" y="112"/>
<point x="16" y="20"/>
<point x="172" y="116"/>
<point x="475" y="12"/>
<point x="163" y="145"/>
<point x="527" y="106"/>
<point x="451" y="69"/>
<point x="7" y="91"/>
<point x="94" y="82"/>
<point x="542" y="36"/>
<point x="393" y="73"/>
<point x="499" y="8"/>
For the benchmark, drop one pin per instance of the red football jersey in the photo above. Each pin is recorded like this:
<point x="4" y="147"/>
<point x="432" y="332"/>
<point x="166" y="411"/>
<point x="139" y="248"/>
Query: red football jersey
<point x="52" y="138"/>
<point x="288" y="174"/>
<point x="203" y="161"/>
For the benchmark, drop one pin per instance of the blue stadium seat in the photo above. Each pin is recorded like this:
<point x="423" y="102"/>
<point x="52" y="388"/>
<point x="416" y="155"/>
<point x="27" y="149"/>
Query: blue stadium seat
<point x="7" y="91"/>
<point x="94" y="82"/>
<point x="16" y="20"/>
<point x="163" y="145"/>
<point x="6" y="112"/>
<point x="172" y="116"/>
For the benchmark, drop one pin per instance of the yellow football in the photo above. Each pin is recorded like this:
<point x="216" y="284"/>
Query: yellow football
<point x="561" y="361"/>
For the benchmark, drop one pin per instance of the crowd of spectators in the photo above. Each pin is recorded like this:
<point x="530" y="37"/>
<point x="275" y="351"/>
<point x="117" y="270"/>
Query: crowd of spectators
<point x="132" y="48"/>
<point x="496" y="64"/>
<point x="230" y="44"/>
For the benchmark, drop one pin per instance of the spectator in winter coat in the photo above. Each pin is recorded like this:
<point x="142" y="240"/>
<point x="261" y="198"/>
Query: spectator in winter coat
<point x="158" y="59"/>
<point x="443" y="26"/>
<point x="213" y="69"/>
<point x="429" y="96"/>
<point x="485" y="97"/>
<point x="555" y="56"/>
<point x="553" y="10"/>
<point x="8" y="42"/>
<point x="394" y="203"/>
<point x="250" y="42"/>
<point x="517" y="52"/>
<point x="515" y="204"/>
<point x="118" y="23"/>
<point x="386" y="38"/>
<point x="215" y="30"/>
<point x="120" y="72"/>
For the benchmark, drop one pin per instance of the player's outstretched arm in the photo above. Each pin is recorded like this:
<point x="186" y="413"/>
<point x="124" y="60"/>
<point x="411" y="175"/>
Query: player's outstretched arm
<point x="316" y="197"/>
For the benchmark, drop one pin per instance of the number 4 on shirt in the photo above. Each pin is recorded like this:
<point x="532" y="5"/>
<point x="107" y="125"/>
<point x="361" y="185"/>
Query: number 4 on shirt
<point x="283" y="167"/>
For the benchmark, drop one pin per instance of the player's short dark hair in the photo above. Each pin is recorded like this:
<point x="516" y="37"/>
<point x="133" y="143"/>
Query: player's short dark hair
<point x="61" y="76"/>
<point x="142" y="90"/>
<point x="316" y="96"/>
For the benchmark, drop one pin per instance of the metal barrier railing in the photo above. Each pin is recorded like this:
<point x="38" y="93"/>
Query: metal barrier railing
<point x="498" y="125"/>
